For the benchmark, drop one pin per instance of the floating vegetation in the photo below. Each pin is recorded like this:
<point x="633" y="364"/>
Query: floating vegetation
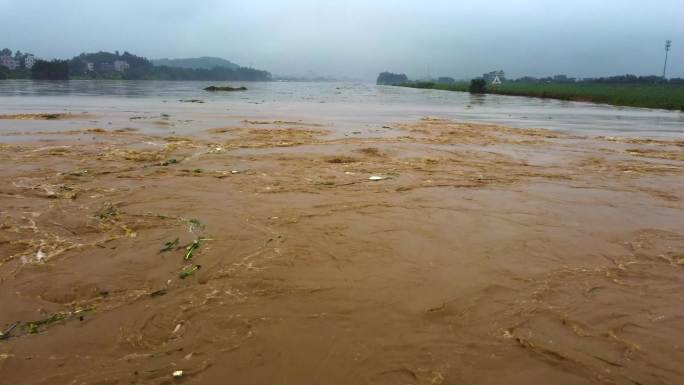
<point x="666" y="96"/>
<point x="60" y="191"/>
<point x="194" y="225"/>
<point x="109" y="211"/>
<point x="168" y="246"/>
<point x="6" y="333"/>
<point x="190" y="250"/>
<point x="36" y="326"/>
<point x="159" y="293"/>
<point x="45" y="116"/>
<point x="342" y="160"/>
<point x="33" y="327"/>
<point x="134" y="155"/>
<point x="224" y="88"/>
<point x="189" y="272"/>
<point x="177" y="139"/>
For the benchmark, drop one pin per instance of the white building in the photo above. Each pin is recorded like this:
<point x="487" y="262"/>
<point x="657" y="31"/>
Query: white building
<point x="121" y="65"/>
<point x="29" y="61"/>
<point x="498" y="76"/>
<point x="9" y="62"/>
<point x="90" y="66"/>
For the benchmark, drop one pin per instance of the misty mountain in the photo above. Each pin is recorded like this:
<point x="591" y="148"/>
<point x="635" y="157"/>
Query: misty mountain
<point x="205" y="62"/>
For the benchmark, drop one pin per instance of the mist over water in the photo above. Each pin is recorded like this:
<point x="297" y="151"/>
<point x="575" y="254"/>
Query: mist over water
<point x="359" y="39"/>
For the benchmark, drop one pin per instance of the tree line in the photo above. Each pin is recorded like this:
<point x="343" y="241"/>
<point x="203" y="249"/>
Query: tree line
<point x="98" y="65"/>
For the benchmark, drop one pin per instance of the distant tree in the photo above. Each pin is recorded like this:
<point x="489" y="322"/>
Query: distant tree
<point x="527" y="79"/>
<point x="625" y="79"/>
<point x="478" y="86"/>
<point x="391" y="79"/>
<point x="446" y="80"/>
<point x="50" y="70"/>
<point x="77" y="66"/>
<point x="6" y="51"/>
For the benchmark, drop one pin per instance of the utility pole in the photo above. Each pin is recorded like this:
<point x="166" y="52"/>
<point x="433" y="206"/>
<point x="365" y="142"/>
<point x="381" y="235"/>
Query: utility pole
<point x="668" y="45"/>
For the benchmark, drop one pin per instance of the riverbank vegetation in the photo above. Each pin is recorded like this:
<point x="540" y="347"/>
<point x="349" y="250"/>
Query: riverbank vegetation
<point x="391" y="79"/>
<point x="664" y="95"/>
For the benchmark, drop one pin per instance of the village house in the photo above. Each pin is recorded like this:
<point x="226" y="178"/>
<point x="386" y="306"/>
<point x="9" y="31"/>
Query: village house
<point x="495" y="77"/>
<point x="9" y="62"/>
<point x="106" y="67"/>
<point x="29" y="61"/>
<point x="117" y="66"/>
<point x="121" y="66"/>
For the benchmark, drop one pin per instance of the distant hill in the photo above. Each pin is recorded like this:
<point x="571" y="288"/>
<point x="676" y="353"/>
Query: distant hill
<point x="204" y="62"/>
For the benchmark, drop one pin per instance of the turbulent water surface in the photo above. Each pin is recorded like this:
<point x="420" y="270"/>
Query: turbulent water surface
<point x="342" y="105"/>
<point x="336" y="234"/>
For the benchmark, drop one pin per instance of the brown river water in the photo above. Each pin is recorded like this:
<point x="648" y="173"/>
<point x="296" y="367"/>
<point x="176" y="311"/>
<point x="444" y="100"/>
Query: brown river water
<point x="336" y="234"/>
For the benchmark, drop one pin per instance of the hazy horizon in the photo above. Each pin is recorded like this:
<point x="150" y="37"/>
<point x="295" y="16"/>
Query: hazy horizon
<point x="355" y="39"/>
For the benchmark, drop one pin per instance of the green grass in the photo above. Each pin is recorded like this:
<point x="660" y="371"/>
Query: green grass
<point x="665" y="96"/>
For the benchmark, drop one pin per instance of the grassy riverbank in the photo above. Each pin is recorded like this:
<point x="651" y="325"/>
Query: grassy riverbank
<point x="665" y="96"/>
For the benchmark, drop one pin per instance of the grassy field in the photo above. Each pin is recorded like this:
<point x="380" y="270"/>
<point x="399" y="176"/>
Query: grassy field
<point x="665" y="96"/>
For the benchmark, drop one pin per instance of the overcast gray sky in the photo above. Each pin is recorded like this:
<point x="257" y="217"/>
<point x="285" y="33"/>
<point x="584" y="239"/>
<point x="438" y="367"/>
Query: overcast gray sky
<point x="359" y="38"/>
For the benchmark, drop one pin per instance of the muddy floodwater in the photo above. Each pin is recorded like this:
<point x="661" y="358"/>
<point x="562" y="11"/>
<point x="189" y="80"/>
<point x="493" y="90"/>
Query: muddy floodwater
<point x="306" y="233"/>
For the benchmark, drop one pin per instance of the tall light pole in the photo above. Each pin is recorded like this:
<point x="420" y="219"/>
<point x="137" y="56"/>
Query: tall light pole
<point x="668" y="44"/>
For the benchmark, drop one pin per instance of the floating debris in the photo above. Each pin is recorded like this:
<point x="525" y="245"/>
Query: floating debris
<point x="224" y="88"/>
<point x="194" y="225"/>
<point x="34" y="327"/>
<point x="168" y="246"/>
<point x="6" y="333"/>
<point x="377" y="178"/>
<point x="108" y="211"/>
<point x="60" y="191"/>
<point x="189" y="272"/>
<point x="191" y="249"/>
<point x="178" y="374"/>
<point x="168" y="162"/>
<point x="40" y="256"/>
<point x="77" y="173"/>
<point x="159" y="293"/>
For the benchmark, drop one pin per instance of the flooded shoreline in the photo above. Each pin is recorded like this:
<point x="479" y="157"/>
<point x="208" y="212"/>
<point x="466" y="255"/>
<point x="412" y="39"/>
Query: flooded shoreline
<point x="345" y="107"/>
<point x="275" y="248"/>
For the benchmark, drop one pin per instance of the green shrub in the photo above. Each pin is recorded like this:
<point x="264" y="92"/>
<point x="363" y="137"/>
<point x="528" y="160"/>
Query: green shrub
<point x="478" y="86"/>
